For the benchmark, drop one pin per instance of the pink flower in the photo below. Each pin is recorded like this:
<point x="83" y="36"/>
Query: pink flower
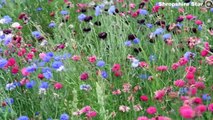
<point x="210" y="107"/>
<point x="76" y="58"/>
<point x="204" y="53"/>
<point x="187" y="112"/>
<point x="137" y="107"/>
<point x="143" y="64"/>
<point x="142" y="118"/>
<point x="155" y="9"/>
<point x="175" y="66"/>
<point x="198" y="22"/>
<point x="162" y="68"/>
<point x="132" y="5"/>
<point x="197" y="100"/>
<point x="160" y="94"/>
<point x="190" y="69"/>
<point x="189" y="17"/>
<point x="84" y="76"/>
<point x="116" y="92"/>
<point x="209" y="60"/>
<point x="151" y="110"/>
<point x="24" y="72"/>
<point x="124" y="108"/>
<point x="179" y="83"/>
<point x="200" y="109"/>
<point x="200" y="85"/>
<point x="92" y="59"/>
<point x="58" y="86"/>
<point x="182" y="61"/>
<point x="160" y="118"/>
<point x="116" y="67"/>
<point x="126" y="87"/>
<point x="180" y="10"/>
<point x="189" y="76"/>
<point x="192" y="91"/>
<point x="91" y="114"/>
<point x="42" y="55"/>
<point x="144" y="98"/>
<point x="85" y="109"/>
<point x="24" y="81"/>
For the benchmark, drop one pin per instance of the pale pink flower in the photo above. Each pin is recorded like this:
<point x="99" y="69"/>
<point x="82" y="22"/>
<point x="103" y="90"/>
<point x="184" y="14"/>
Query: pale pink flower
<point x="137" y="107"/>
<point x="160" y="94"/>
<point x="143" y="118"/>
<point x="116" y="92"/>
<point x="76" y="58"/>
<point x="209" y="60"/>
<point x="124" y="108"/>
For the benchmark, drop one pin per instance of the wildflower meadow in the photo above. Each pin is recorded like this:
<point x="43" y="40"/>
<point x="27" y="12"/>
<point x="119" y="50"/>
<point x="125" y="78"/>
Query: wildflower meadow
<point x="106" y="60"/>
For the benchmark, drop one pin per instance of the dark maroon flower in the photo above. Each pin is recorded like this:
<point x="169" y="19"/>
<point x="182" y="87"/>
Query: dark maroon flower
<point x="179" y="19"/>
<point x="194" y="30"/>
<point x="160" y="23"/>
<point x="211" y="50"/>
<point x="87" y="18"/>
<point x="142" y="21"/>
<point x="83" y="10"/>
<point x="102" y="35"/>
<point x="86" y="29"/>
<point x="141" y="5"/>
<point x="137" y="50"/>
<point x="98" y="23"/>
<point x="7" y="31"/>
<point x="131" y="37"/>
<point x="187" y="1"/>
<point x="84" y="76"/>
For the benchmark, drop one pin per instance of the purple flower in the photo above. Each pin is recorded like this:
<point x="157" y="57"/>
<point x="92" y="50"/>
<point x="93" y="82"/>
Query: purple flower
<point x="3" y="62"/>
<point x="23" y="118"/>
<point x="100" y="63"/>
<point x="136" y="41"/>
<point x="111" y="10"/>
<point x="44" y="85"/>
<point x="166" y="36"/>
<point x="104" y="74"/>
<point x="189" y="55"/>
<point x="30" y="84"/>
<point x="81" y="17"/>
<point x="143" y="12"/>
<point x="64" y="116"/>
<point x="64" y="12"/>
<point x="128" y="43"/>
<point x="36" y="34"/>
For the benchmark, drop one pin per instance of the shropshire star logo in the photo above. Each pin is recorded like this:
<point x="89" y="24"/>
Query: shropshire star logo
<point x="208" y="3"/>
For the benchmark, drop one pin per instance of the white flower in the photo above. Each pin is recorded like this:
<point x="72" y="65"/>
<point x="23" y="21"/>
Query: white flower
<point x="15" y="25"/>
<point x="44" y="42"/>
<point x="42" y="91"/>
<point x="135" y="63"/>
<point x="61" y="68"/>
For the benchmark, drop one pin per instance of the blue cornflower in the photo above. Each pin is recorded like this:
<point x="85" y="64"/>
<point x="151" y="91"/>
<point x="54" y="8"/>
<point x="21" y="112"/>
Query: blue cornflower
<point x="206" y="97"/>
<point x="149" y="25"/>
<point x="23" y="118"/>
<point x="30" y="84"/>
<point x="3" y="62"/>
<point x="57" y="58"/>
<point x="81" y="17"/>
<point x="111" y="10"/>
<point x="167" y="36"/>
<point x="44" y="85"/>
<point x="97" y="10"/>
<point x="183" y="91"/>
<point x="7" y="40"/>
<point x="136" y="41"/>
<point x="104" y="74"/>
<point x="128" y="43"/>
<point x="46" y="69"/>
<point x="66" y="56"/>
<point x="152" y="58"/>
<point x="200" y="28"/>
<point x="50" y="54"/>
<point x="57" y="64"/>
<point x="52" y="25"/>
<point x="144" y="76"/>
<point x="31" y="69"/>
<point x="189" y="55"/>
<point x="36" y="34"/>
<point x="3" y="2"/>
<point x="64" y="116"/>
<point x="47" y="58"/>
<point x="85" y="87"/>
<point x="10" y="86"/>
<point x="211" y="10"/>
<point x="1" y="50"/>
<point x="100" y="63"/>
<point x="159" y="31"/>
<point x="9" y="101"/>
<point x="41" y="64"/>
<point x="143" y="12"/>
<point x="179" y="25"/>
<point x="135" y="63"/>
<point x="48" y="75"/>
<point x="39" y="9"/>
<point x="64" y="12"/>
<point x="49" y="119"/>
<point x="7" y="19"/>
